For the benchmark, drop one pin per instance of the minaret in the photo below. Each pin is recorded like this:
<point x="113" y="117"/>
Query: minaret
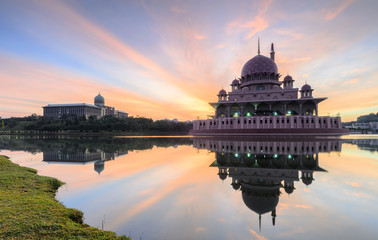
<point x="259" y="222"/>
<point x="258" y="46"/>
<point x="274" y="216"/>
<point x="272" y="52"/>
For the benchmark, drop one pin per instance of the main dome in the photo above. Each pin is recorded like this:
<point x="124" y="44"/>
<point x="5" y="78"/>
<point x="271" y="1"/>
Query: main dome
<point x="99" y="99"/>
<point x="259" y="64"/>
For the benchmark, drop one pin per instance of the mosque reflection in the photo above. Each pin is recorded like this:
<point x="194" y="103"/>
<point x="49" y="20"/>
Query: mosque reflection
<point x="260" y="169"/>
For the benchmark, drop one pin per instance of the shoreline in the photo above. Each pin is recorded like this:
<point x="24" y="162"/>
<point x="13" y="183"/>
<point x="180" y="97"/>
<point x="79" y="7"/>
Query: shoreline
<point x="30" y="210"/>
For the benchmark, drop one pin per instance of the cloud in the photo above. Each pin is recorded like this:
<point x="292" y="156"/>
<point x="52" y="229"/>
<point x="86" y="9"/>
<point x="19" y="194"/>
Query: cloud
<point x="256" y="235"/>
<point x="176" y="9"/>
<point x="351" y="81"/>
<point x="294" y="35"/>
<point x="332" y="13"/>
<point x="199" y="229"/>
<point x="254" y="25"/>
<point x="303" y="206"/>
<point x="199" y="37"/>
<point x="353" y="184"/>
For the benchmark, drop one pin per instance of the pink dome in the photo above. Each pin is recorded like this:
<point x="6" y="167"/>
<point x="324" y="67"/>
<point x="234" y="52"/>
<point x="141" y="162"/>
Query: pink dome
<point x="235" y="82"/>
<point x="288" y="78"/>
<point x="222" y="92"/>
<point x="259" y="64"/>
<point x="306" y="87"/>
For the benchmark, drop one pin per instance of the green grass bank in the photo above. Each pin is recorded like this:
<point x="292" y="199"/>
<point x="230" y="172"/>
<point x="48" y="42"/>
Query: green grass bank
<point x="28" y="209"/>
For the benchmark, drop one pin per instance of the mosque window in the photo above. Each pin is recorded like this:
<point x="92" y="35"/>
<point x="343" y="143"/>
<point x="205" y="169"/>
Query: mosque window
<point x="260" y="87"/>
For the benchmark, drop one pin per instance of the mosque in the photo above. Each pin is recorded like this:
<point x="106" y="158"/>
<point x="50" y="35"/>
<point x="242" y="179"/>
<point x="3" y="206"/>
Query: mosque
<point x="260" y="169"/>
<point x="259" y="103"/>
<point x="56" y="111"/>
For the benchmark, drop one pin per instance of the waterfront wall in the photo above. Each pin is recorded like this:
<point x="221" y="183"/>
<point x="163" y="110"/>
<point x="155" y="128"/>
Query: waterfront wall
<point x="268" y="122"/>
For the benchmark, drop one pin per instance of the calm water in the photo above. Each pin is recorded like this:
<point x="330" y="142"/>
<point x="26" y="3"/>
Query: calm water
<point x="182" y="188"/>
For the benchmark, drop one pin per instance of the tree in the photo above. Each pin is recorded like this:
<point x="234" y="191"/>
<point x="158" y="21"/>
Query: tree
<point x="2" y="123"/>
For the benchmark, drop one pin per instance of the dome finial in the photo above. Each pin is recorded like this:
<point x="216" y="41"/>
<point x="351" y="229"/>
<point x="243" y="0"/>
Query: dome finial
<point x="258" y="46"/>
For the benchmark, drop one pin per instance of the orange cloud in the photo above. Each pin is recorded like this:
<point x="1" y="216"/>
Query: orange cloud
<point x="255" y="25"/>
<point x="199" y="37"/>
<point x="256" y="235"/>
<point x="353" y="184"/>
<point x="303" y="206"/>
<point x="332" y="13"/>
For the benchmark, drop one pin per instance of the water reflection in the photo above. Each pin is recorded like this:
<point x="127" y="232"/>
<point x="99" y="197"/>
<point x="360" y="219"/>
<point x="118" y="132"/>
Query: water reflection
<point x="163" y="188"/>
<point x="259" y="169"/>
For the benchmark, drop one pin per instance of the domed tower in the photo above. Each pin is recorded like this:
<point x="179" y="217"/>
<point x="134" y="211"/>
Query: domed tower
<point x="288" y="82"/>
<point x="306" y="91"/>
<point x="307" y="177"/>
<point x="235" y="85"/>
<point x="222" y="96"/>
<point x="289" y="186"/>
<point x="222" y="173"/>
<point x="99" y="100"/>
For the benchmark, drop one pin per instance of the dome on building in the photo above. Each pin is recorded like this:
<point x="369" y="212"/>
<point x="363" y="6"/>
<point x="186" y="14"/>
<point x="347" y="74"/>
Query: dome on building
<point x="99" y="99"/>
<point x="222" y="92"/>
<point x="306" y="87"/>
<point x="235" y="186"/>
<point x="307" y="180"/>
<point x="222" y="176"/>
<point x="289" y="189"/>
<point x="259" y="64"/>
<point x="260" y="204"/>
<point x="235" y="82"/>
<point x="288" y="78"/>
<point x="99" y="166"/>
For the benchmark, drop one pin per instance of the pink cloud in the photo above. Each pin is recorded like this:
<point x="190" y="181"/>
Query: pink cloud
<point x="332" y="13"/>
<point x="256" y="235"/>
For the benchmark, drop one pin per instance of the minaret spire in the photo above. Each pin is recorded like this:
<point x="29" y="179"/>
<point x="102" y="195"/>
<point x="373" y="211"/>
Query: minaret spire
<point x="258" y="46"/>
<point x="272" y="52"/>
<point x="259" y="222"/>
<point x="274" y="216"/>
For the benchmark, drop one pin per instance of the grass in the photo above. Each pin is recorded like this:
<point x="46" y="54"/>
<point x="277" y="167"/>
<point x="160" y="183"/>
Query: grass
<point x="28" y="209"/>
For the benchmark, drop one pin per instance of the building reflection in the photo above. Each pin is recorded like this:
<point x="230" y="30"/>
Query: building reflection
<point x="260" y="169"/>
<point x="97" y="156"/>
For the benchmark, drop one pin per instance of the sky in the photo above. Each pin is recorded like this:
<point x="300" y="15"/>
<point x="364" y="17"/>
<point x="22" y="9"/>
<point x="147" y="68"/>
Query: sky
<point x="169" y="59"/>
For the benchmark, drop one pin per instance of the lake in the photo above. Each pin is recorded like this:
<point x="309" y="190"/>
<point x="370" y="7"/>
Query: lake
<point x="206" y="188"/>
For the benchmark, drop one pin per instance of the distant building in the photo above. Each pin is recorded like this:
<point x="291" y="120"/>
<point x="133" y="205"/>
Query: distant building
<point x="57" y="111"/>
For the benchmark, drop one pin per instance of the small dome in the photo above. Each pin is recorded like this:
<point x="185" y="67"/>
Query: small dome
<point x="289" y="189"/>
<point x="99" y="99"/>
<point x="235" y="186"/>
<point x="259" y="64"/>
<point x="235" y="82"/>
<point x="306" y="87"/>
<point x="222" y="92"/>
<point x="288" y="78"/>
<point x="307" y="180"/>
<point x="276" y="87"/>
<point x="222" y="176"/>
